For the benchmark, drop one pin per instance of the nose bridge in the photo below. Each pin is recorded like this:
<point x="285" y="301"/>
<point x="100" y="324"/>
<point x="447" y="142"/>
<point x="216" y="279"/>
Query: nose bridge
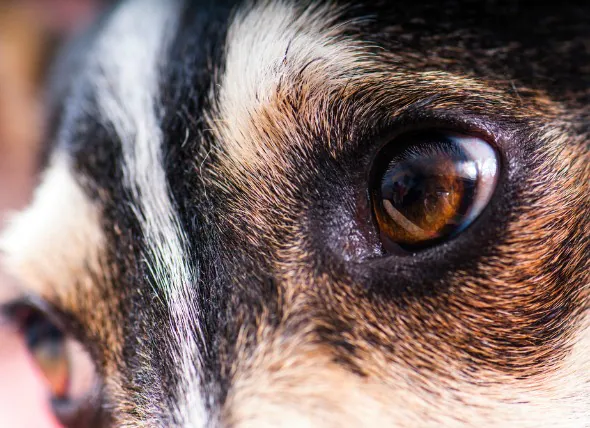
<point x="276" y="382"/>
<point x="266" y="369"/>
<point x="270" y="365"/>
<point x="292" y="381"/>
<point x="281" y="371"/>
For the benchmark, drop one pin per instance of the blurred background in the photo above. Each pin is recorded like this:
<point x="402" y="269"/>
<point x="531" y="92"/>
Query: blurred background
<point x="31" y="32"/>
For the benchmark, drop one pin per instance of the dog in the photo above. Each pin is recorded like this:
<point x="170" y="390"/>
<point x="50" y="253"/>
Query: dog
<point x="283" y="213"/>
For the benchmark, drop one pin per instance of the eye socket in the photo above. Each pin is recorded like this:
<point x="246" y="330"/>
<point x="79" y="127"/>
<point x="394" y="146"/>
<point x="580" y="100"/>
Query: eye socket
<point x="431" y="187"/>
<point x="69" y="373"/>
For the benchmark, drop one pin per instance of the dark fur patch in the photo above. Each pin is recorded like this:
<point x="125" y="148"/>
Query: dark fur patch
<point x="281" y="232"/>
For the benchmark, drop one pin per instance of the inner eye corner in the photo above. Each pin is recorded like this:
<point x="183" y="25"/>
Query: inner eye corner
<point x="427" y="186"/>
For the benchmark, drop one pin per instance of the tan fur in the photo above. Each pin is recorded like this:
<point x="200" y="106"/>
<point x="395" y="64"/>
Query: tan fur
<point x="61" y="221"/>
<point x="509" y="346"/>
<point x="72" y="276"/>
<point x="296" y="383"/>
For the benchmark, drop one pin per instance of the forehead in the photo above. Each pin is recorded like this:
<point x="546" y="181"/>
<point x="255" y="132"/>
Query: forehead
<point x="186" y="132"/>
<point x="198" y="62"/>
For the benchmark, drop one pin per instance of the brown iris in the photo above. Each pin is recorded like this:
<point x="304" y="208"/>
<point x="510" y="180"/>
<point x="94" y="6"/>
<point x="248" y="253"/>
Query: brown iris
<point x="68" y="370"/>
<point x="48" y="348"/>
<point x="55" y="367"/>
<point x="434" y="187"/>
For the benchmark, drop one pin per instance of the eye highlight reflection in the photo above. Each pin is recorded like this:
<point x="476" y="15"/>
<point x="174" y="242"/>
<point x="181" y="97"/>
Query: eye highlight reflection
<point x="432" y="187"/>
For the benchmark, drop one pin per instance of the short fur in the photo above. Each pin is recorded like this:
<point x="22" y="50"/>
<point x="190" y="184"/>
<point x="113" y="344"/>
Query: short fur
<point x="234" y="276"/>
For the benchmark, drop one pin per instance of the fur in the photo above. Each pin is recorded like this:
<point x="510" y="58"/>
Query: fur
<point x="217" y="158"/>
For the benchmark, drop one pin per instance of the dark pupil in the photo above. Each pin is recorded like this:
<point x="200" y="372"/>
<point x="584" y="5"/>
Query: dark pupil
<point x="425" y="196"/>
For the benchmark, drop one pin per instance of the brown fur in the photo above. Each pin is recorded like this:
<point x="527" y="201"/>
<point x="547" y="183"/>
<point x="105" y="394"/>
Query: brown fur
<point x="498" y="337"/>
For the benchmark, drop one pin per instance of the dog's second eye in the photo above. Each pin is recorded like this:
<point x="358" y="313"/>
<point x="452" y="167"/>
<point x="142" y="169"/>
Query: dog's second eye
<point x="430" y="187"/>
<point x="48" y="349"/>
<point x="67" y="368"/>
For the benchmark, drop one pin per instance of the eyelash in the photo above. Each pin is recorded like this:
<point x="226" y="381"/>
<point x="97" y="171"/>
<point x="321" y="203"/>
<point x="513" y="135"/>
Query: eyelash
<point x="438" y="182"/>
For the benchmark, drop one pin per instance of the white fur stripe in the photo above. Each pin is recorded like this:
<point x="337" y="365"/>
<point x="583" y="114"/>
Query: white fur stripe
<point x="268" y="45"/>
<point x="128" y="59"/>
<point x="74" y="241"/>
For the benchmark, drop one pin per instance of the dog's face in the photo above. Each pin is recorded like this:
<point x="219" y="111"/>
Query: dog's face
<point x="281" y="214"/>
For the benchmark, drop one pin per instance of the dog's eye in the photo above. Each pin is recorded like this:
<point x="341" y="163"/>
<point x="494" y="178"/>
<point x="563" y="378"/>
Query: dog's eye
<point x="430" y="187"/>
<point x="66" y="367"/>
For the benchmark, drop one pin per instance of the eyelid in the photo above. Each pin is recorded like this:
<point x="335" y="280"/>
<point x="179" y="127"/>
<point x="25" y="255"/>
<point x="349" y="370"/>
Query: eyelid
<point x="422" y="117"/>
<point x="14" y="309"/>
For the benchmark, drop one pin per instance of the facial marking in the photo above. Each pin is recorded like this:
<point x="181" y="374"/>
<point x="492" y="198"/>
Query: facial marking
<point x="268" y="47"/>
<point x="328" y="348"/>
<point x="257" y="129"/>
<point x="291" y="383"/>
<point x="61" y="221"/>
<point x="129" y="58"/>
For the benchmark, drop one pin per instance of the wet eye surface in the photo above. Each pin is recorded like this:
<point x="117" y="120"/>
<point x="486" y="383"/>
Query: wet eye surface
<point x="427" y="188"/>
<point x="67" y="368"/>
